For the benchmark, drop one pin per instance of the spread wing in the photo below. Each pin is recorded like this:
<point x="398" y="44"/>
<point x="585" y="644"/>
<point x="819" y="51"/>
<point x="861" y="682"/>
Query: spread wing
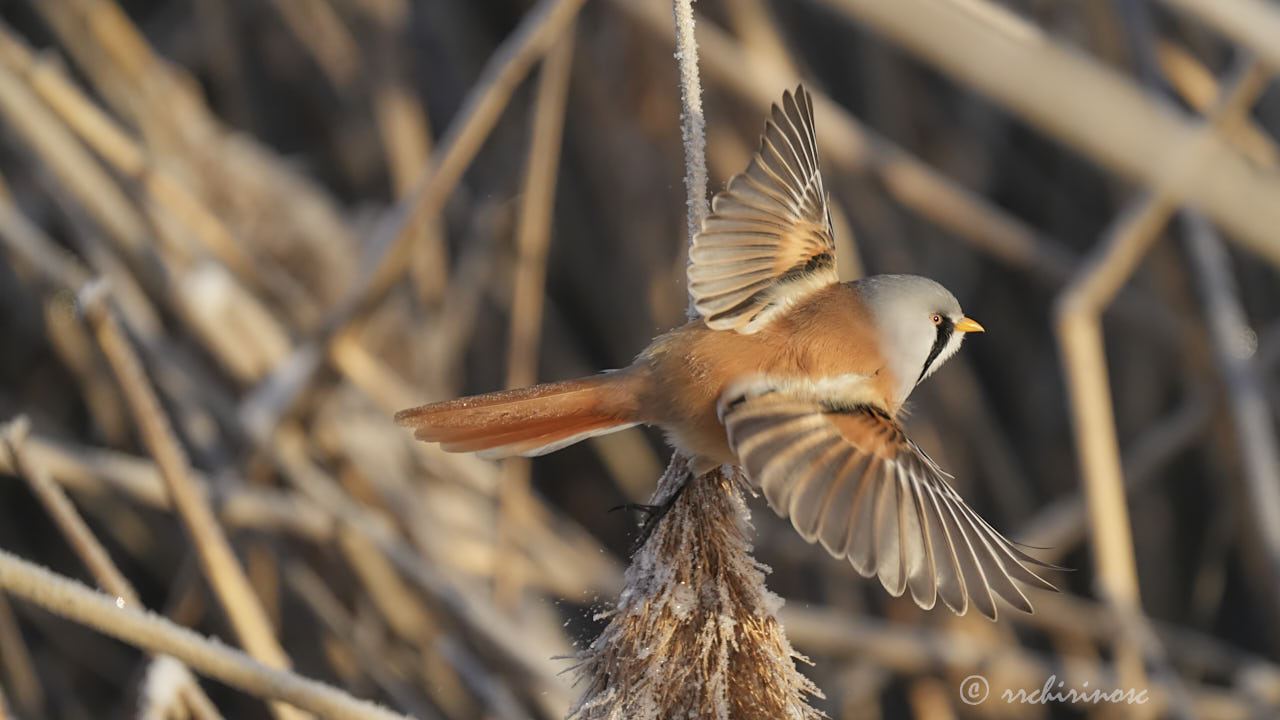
<point x="852" y="480"/>
<point x="768" y="241"/>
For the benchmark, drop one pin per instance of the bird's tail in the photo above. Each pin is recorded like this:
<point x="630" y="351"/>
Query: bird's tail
<point x="533" y="420"/>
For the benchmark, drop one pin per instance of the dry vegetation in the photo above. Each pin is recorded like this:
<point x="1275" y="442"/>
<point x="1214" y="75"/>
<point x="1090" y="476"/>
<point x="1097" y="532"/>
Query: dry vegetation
<point x="238" y="235"/>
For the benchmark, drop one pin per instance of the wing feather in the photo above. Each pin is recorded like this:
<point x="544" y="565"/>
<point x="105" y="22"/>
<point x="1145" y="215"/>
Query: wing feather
<point x="851" y="479"/>
<point x="858" y="471"/>
<point x="915" y="533"/>
<point x="949" y="576"/>
<point x="888" y="551"/>
<point x="816" y="466"/>
<point x="862" y="554"/>
<point x="843" y="490"/>
<point x="772" y="219"/>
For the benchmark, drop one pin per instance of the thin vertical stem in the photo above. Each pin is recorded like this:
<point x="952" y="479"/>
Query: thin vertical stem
<point x="693" y="123"/>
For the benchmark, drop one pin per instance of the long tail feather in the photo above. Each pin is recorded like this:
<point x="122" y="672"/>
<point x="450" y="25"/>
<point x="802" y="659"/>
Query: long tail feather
<point x="530" y="421"/>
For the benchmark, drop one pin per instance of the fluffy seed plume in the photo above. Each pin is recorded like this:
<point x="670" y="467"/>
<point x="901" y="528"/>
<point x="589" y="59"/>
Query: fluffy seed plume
<point x="695" y="632"/>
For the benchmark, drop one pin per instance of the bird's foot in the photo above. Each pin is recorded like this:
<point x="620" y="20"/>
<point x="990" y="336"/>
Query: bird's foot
<point x="653" y="514"/>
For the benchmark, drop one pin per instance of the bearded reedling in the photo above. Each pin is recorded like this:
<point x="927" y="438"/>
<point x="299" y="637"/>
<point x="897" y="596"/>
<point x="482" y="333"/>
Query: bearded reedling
<point x="793" y="376"/>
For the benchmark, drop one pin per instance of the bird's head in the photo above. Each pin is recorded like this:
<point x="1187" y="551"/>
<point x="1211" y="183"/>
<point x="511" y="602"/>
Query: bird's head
<point x="920" y="325"/>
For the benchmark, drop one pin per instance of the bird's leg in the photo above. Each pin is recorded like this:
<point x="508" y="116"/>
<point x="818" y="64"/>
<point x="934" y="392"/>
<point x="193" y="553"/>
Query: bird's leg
<point x="653" y="514"/>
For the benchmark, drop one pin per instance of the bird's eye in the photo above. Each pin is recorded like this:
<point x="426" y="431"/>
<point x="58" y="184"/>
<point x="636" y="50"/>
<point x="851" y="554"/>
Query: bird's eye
<point x="936" y="318"/>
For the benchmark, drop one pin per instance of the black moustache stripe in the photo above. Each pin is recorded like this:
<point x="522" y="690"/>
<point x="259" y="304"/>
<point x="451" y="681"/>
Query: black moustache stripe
<point x="945" y="328"/>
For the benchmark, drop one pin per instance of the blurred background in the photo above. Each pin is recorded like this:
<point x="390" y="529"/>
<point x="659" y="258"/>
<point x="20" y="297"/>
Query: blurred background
<point x="312" y="213"/>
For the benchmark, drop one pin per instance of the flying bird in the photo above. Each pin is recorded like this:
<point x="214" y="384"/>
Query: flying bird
<point x="792" y="375"/>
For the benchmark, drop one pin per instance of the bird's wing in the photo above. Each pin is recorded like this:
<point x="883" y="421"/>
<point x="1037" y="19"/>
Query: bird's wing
<point x="768" y="241"/>
<point x="851" y="479"/>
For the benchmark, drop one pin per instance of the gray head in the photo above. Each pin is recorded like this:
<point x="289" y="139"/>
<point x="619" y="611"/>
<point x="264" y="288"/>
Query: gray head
<point x="920" y="323"/>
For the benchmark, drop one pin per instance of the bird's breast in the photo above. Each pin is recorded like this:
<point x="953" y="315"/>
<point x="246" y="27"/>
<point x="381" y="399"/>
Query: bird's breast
<point x="820" y="354"/>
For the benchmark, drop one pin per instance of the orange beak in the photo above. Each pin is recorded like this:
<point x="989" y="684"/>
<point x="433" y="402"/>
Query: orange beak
<point x="969" y="325"/>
